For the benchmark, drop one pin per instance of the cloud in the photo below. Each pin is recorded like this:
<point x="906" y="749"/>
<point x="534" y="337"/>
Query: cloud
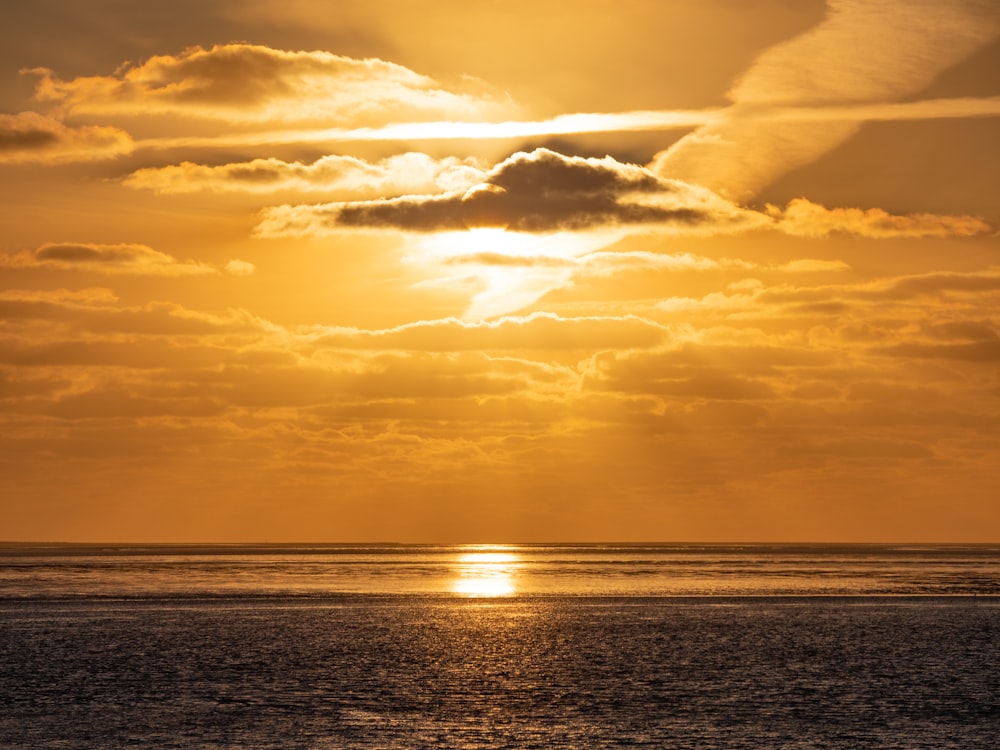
<point x="238" y="267"/>
<point x="453" y="130"/>
<point x="546" y="192"/>
<point x="108" y="259"/>
<point x="96" y="312"/>
<point x="985" y="352"/>
<point x="543" y="398"/>
<point x="541" y="191"/>
<point x="861" y="53"/>
<point x="802" y="218"/>
<point x="539" y="331"/>
<point x="822" y="116"/>
<point x="31" y="137"/>
<point x="396" y="175"/>
<point x="861" y="305"/>
<point x="253" y="83"/>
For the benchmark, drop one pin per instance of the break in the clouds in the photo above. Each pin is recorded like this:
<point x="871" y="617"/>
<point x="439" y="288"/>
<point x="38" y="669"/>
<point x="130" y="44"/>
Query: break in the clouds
<point x="863" y="52"/>
<point x="114" y="259"/>
<point x="407" y="173"/>
<point x="31" y="137"/>
<point x="254" y="83"/>
<point x="541" y="191"/>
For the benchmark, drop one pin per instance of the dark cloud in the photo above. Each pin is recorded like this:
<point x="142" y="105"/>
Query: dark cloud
<point x="541" y="191"/>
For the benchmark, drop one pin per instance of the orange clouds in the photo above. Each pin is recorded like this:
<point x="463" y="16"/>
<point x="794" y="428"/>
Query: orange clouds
<point x="538" y="192"/>
<point x="113" y="259"/>
<point x="31" y="137"/>
<point x="254" y="83"/>
<point x="538" y="331"/>
<point x="754" y="393"/>
<point x="548" y="192"/>
<point x="805" y="219"/>
<point x="404" y="173"/>
<point x="338" y="296"/>
<point x="871" y="52"/>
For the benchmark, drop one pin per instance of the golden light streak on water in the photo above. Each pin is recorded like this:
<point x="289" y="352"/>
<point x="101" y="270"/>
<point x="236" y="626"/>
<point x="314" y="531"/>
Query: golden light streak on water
<point x="485" y="573"/>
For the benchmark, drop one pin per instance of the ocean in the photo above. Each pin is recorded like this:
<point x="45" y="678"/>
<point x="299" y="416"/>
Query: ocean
<point x="496" y="646"/>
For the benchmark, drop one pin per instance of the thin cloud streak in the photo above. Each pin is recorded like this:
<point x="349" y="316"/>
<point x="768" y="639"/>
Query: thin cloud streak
<point x="592" y="122"/>
<point x="454" y="130"/>
<point x="862" y="55"/>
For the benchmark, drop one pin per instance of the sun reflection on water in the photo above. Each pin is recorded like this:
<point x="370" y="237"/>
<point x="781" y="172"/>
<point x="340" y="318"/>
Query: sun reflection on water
<point x="486" y="573"/>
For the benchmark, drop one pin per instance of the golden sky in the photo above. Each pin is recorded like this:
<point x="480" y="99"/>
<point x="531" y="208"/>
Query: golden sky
<point x="484" y="271"/>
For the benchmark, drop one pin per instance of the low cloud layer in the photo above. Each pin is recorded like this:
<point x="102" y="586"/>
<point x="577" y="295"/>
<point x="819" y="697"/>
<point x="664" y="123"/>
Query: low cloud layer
<point x="759" y="399"/>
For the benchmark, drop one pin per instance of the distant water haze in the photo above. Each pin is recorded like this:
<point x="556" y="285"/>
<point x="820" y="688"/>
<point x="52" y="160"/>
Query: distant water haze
<point x="31" y="571"/>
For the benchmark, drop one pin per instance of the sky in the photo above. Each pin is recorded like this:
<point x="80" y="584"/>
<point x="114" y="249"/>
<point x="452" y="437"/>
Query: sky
<point x="500" y="271"/>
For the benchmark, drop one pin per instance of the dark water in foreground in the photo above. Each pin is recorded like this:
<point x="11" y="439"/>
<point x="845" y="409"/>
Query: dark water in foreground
<point x="583" y="647"/>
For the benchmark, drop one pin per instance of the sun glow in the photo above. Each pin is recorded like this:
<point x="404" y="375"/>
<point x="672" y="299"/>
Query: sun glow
<point x="510" y="269"/>
<point x="486" y="574"/>
<point x="503" y="247"/>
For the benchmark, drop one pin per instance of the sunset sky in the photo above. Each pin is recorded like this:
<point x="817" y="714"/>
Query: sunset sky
<point x="519" y="270"/>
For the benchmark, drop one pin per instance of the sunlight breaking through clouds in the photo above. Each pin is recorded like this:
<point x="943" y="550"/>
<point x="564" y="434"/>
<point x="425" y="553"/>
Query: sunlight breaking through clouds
<point x="684" y="270"/>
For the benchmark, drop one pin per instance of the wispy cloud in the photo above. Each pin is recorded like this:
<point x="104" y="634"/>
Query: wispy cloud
<point x="870" y="53"/>
<point x="835" y="115"/>
<point x="451" y="130"/>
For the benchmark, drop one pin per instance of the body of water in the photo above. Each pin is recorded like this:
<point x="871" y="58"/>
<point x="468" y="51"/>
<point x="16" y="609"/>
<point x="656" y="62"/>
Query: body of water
<point x="567" y="646"/>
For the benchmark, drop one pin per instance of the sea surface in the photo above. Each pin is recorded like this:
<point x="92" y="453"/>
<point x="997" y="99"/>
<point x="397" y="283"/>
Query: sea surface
<point x="521" y="646"/>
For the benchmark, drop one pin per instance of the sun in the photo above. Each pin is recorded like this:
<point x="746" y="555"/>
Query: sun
<point x="509" y="270"/>
<point x="486" y="574"/>
<point x="491" y="243"/>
